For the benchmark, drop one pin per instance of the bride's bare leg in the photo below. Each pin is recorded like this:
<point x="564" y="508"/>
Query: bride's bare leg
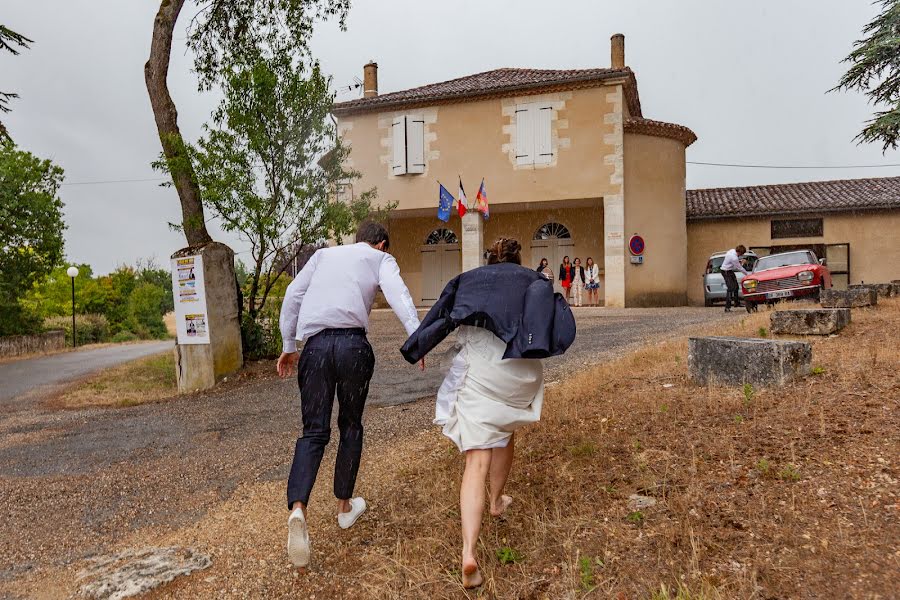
<point x="501" y="463"/>
<point x="471" y="506"/>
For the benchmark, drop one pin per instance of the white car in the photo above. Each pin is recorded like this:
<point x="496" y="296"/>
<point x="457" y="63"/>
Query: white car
<point x="714" y="284"/>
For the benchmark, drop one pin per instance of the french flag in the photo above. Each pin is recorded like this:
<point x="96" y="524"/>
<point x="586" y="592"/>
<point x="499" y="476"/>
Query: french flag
<point x="462" y="204"/>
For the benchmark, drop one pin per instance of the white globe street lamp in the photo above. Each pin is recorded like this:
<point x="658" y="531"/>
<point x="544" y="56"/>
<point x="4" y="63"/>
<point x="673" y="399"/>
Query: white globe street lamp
<point x="72" y="272"/>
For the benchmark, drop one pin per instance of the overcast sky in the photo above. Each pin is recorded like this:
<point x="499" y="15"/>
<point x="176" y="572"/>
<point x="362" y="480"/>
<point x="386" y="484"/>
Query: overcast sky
<point x="750" y="78"/>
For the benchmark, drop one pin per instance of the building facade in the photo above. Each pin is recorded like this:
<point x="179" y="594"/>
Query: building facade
<point x="570" y="164"/>
<point x="853" y="224"/>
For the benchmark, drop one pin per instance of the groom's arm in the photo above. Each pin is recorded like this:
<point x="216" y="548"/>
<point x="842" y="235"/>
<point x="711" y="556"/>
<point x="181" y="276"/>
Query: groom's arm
<point x="290" y="306"/>
<point x="397" y="294"/>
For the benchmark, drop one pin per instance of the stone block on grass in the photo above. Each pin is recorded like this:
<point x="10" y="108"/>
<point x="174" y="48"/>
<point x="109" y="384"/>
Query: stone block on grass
<point x="849" y="298"/>
<point x="884" y="290"/>
<point x="810" y="321"/>
<point x="736" y="361"/>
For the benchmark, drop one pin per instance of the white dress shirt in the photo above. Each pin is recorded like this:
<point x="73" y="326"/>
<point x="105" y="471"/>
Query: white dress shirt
<point x="732" y="262"/>
<point x="335" y="290"/>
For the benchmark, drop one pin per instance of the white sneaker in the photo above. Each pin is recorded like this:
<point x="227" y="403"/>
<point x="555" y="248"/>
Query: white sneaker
<point x="298" y="539"/>
<point x="347" y="519"/>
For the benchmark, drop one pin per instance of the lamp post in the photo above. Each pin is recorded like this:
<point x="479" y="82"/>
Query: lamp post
<point x="72" y="272"/>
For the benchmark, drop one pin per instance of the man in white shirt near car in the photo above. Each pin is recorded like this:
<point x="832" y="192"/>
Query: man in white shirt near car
<point x="328" y="305"/>
<point x="731" y="264"/>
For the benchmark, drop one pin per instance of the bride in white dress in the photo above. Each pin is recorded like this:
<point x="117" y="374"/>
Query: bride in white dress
<point x="485" y="398"/>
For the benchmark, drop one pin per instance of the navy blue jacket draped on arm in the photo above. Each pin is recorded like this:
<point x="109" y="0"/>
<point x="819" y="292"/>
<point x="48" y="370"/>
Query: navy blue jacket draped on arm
<point x="516" y="304"/>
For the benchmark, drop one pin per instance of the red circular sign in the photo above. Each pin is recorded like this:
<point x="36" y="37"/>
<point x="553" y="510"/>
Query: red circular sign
<point x="636" y="245"/>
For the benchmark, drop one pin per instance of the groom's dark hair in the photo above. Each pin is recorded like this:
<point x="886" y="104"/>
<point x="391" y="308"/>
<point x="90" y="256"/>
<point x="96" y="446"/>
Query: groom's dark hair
<point x="373" y="234"/>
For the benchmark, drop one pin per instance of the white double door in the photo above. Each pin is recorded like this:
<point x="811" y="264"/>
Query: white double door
<point x="440" y="264"/>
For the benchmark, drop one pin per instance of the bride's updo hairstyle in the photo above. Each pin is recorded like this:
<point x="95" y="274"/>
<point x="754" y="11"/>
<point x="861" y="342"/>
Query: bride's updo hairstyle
<point x="505" y="250"/>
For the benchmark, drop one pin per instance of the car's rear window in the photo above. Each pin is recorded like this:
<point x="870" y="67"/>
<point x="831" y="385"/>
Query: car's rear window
<point x="782" y="260"/>
<point x="715" y="264"/>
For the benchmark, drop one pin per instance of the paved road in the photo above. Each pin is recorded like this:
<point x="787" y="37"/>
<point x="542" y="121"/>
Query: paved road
<point x="27" y="377"/>
<point x="104" y="472"/>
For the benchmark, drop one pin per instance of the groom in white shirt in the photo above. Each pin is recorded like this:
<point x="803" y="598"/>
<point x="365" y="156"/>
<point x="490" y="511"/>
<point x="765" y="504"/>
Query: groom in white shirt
<point x="328" y="305"/>
<point x="730" y="265"/>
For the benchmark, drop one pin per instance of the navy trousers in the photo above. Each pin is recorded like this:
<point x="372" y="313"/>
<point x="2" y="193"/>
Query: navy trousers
<point x="732" y="293"/>
<point x="333" y="361"/>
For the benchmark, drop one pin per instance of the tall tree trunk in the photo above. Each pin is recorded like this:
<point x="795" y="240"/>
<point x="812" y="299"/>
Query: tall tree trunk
<point x="155" y="73"/>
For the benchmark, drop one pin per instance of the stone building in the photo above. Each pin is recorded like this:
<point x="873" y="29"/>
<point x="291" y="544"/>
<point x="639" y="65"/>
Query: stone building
<point x="853" y="224"/>
<point x="570" y="163"/>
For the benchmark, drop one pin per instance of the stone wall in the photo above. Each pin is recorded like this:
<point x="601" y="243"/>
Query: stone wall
<point x="17" y="345"/>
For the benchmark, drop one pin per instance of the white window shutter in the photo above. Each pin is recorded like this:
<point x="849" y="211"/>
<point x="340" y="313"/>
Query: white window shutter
<point x="543" y="144"/>
<point x="524" y="134"/>
<point x="398" y="135"/>
<point x="415" y="145"/>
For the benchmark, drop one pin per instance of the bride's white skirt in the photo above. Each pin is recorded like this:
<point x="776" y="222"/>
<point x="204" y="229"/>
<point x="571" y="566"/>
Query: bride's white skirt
<point x="485" y="398"/>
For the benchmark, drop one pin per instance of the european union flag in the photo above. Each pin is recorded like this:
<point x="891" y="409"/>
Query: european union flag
<point x="445" y="203"/>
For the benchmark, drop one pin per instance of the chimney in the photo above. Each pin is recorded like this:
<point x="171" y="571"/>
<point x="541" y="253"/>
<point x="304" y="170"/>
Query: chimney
<point x="370" y="80"/>
<point x="617" y="51"/>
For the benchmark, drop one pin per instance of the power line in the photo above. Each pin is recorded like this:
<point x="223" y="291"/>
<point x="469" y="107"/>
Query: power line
<point x="690" y="162"/>
<point x="746" y="166"/>
<point x="105" y="181"/>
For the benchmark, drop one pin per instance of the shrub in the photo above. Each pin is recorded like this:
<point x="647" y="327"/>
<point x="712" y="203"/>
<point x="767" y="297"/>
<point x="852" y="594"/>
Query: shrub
<point x="261" y="337"/>
<point x="124" y="336"/>
<point x="145" y="306"/>
<point x="89" y="329"/>
<point x="16" y="319"/>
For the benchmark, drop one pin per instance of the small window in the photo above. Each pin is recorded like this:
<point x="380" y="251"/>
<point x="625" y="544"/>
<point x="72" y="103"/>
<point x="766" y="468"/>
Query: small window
<point x="552" y="231"/>
<point x="441" y="236"/>
<point x="534" y="140"/>
<point x="408" y="137"/>
<point x="797" y="228"/>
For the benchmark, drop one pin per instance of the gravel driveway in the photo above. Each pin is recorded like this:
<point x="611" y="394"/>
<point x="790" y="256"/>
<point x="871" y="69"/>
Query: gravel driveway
<point x="102" y="472"/>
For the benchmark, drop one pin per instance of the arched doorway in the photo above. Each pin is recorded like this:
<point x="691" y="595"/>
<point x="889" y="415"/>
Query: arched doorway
<point x="440" y="263"/>
<point x="552" y="241"/>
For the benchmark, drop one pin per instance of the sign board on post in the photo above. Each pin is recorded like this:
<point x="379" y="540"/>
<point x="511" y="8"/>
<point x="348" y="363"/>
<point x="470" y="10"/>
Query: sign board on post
<point x="636" y="245"/>
<point x="191" y="315"/>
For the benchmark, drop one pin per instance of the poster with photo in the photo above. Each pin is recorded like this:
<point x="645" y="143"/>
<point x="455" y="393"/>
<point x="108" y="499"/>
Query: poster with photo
<point x="191" y="316"/>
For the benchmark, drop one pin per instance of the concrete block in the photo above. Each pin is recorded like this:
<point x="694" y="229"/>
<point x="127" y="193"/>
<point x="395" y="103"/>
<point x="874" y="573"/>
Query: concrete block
<point x="849" y="298"/>
<point x="735" y="361"/>
<point x="810" y="321"/>
<point x="885" y="290"/>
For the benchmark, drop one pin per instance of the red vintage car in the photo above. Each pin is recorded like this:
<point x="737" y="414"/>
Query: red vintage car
<point x="776" y="277"/>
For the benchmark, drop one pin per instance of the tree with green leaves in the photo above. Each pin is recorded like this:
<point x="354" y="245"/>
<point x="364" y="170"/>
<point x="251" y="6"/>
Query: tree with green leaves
<point x="221" y="34"/>
<point x="31" y="231"/>
<point x="11" y="42"/>
<point x="269" y="164"/>
<point x="875" y="71"/>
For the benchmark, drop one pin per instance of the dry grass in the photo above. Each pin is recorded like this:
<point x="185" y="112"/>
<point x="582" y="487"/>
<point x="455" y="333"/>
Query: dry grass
<point x="145" y="380"/>
<point x="760" y="494"/>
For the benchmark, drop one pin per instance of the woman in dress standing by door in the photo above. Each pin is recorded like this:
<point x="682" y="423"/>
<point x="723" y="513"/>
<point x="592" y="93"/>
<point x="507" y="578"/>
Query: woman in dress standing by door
<point x="565" y="276"/>
<point x="592" y="285"/>
<point x="577" y="281"/>
<point x="545" y="270"/>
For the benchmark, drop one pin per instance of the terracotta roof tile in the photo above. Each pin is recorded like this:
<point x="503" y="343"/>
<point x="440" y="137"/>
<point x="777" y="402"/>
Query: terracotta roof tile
<point x="794" y="198"/>
<point x="492" y="83"/>
<point x="661" y="129"/>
